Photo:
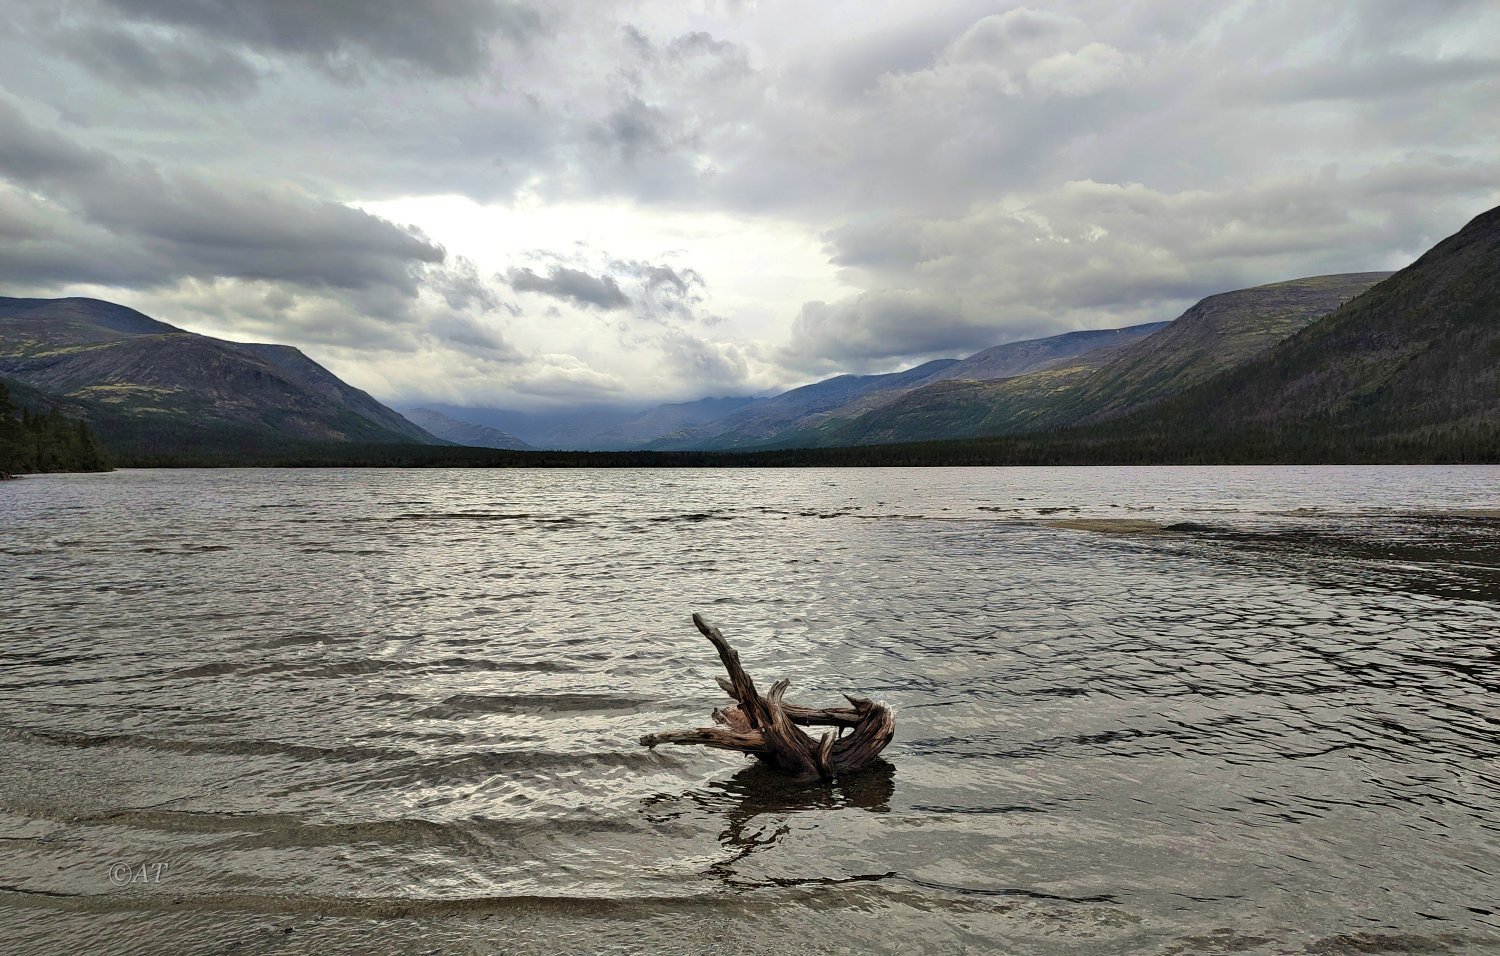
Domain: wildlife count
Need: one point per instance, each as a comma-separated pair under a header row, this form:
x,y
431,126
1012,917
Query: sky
x,y
518,204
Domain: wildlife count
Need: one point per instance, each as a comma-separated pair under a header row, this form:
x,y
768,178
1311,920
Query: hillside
x,y
956,401
957,409
764,420
1018,358
1417,356
1219,332
148,387
640,430
462,433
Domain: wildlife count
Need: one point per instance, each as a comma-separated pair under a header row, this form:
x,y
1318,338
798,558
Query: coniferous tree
x,y
46,441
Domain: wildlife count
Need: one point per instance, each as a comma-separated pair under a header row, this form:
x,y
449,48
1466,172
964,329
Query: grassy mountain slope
x,y
761,421
147,386
956,402
1018,358
1219,332
1417,355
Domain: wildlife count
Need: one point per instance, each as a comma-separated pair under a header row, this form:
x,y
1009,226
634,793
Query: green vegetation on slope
x,y
1416,356
41,441
151,389
1219,333
1216,334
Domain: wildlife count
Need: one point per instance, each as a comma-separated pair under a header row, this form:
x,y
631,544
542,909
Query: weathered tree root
x,y
769,729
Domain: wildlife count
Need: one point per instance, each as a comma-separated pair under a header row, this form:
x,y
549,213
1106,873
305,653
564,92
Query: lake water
x,y
397,711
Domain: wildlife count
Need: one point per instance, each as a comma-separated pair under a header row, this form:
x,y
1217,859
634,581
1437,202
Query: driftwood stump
x,y
770,729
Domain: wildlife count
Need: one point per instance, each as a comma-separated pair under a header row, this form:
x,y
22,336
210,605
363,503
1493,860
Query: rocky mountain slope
x,y
151,388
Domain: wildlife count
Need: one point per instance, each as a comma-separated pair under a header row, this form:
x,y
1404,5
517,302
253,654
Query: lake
x,y
1138,710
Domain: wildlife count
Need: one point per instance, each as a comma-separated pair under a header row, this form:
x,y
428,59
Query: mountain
x,y
641,430
1218,333
1018,358
1417,357
956,409
730,422
756,423
596,427
152,389
1058,352
462,433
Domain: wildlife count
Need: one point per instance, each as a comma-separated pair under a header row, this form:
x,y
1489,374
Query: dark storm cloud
x,y
631,130
660,291
571,285
34,155
880,325
449,38
146,61
133,224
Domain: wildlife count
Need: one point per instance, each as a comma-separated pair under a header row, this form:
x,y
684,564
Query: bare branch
x,y
770,729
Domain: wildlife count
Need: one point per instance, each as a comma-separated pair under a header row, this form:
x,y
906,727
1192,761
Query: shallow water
x,y
397,711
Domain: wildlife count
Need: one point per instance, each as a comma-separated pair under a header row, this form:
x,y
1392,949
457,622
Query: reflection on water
x,y
1138,710
755,803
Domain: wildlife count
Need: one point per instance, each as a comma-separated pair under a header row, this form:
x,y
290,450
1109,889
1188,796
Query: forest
x,y
42,441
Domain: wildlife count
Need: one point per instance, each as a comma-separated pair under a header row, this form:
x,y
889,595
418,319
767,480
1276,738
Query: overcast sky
x,y
508,203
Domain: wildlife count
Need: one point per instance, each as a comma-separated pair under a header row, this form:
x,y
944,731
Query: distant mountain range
x,y
597,427
462,433
1041,384
1360,365
1123,375
747,421
153,389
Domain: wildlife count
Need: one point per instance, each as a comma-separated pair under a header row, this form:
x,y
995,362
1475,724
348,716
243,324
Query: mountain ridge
x,y
461,432
151,386
1418,352
1216,333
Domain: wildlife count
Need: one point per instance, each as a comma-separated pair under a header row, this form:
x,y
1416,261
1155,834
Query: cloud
x,y
166,226
1096,255
449,39
979,171
565,376
878,326
571,285
1375,78
712,366
150,60
1089,69
632,130
660,291
35,156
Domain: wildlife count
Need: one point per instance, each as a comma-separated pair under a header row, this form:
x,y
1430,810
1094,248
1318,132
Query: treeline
x,y
40,441
1476,443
